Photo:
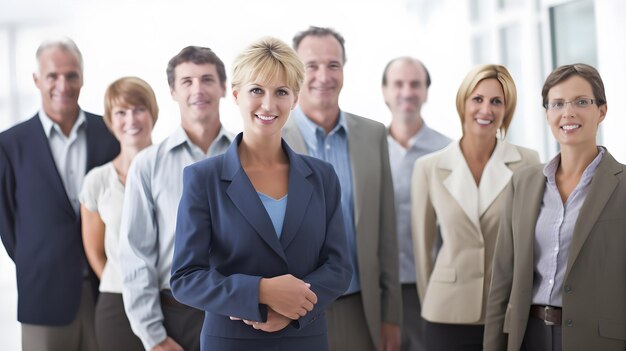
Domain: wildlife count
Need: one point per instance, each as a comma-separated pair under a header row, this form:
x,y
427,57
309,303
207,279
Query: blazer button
x,y
569,323
568,289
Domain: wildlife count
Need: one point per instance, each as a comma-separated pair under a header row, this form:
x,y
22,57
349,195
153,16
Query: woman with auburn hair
x,y
260,243
558,277
130,112
460,190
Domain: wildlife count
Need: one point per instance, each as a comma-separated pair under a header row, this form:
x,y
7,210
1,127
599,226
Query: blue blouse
x,y
276,210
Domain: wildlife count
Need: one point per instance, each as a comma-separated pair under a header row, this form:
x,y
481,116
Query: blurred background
x,y
138,37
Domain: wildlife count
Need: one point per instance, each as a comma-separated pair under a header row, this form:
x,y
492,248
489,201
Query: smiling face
x,y
132,125
484,109
264,106
323,65
574,125
197,89
406,89
59,80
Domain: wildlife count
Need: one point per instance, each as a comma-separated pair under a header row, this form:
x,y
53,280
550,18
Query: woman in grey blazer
x,y
559,277
460,190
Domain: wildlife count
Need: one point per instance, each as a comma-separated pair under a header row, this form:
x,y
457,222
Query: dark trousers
x,y
302,343
182,323
541,337
412,323
113,332
347,327
454,337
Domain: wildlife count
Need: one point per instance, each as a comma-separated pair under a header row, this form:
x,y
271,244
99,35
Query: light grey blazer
x,y
453,289
594,290
377,250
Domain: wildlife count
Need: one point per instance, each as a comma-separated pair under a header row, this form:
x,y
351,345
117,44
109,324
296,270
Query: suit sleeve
x,y
194,282
7,204
391,294
424,226
501,278
332,278
139,252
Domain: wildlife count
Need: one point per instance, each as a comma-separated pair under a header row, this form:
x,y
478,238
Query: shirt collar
x,y
549,171
310,129
49,125
421,134
179,137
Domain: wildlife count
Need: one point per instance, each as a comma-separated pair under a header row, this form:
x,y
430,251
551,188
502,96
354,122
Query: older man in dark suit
x,y
42,164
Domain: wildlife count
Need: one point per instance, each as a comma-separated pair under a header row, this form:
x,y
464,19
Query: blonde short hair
x,y
130,91
477,75
266,60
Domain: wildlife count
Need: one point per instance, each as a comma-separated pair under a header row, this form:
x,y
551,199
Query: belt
x,y
550,315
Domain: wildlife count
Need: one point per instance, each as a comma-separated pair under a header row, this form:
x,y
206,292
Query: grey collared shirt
x,y
554,230
69,154
402,161
148,227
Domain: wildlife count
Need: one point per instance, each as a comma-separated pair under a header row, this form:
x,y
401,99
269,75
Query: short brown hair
x,y
197,55
477,75
587,72
130,91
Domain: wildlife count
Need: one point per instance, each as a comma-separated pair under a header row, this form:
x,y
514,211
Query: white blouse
x,y
103,192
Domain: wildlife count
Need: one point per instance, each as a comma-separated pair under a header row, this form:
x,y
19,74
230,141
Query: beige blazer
x,y
453,288
594,290
377,250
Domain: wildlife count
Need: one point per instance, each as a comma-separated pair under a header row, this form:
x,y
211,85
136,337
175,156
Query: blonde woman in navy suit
x,y
460,189
260,239
559,270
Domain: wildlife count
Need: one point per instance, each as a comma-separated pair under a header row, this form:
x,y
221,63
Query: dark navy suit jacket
x,y
225,243
38,225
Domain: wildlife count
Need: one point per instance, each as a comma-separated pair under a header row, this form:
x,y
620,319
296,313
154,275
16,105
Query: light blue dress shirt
x,y
333,148
554,230
401,161
148,227
276,210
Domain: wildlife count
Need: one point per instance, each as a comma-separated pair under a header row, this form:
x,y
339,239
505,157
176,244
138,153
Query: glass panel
x,y
5,97
574,33
509,4
511,57
480,49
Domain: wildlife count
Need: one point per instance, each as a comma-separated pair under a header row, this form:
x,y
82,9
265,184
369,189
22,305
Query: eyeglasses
x,y
580,103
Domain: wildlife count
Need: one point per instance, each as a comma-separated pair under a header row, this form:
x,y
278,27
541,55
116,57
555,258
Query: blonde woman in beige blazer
x,y
460,190
569,214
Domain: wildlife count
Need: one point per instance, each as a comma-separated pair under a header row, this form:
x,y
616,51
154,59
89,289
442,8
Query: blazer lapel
x,y
244,197
49,167
460,182
358,161
496,174
600,190
530,205
300,191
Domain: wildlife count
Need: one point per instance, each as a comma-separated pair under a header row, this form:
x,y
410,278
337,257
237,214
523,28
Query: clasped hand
x,y
287,297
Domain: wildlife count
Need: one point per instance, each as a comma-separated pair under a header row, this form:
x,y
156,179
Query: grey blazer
x,y
377,251
594,290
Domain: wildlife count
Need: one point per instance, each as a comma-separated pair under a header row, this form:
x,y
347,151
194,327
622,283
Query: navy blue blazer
x,y
38,225
225,243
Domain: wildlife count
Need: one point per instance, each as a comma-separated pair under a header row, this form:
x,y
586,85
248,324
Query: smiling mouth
x,y
569,127
266,118
132,131
483,122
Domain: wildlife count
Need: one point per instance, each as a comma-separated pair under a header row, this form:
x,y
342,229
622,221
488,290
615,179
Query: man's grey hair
x,y
63,43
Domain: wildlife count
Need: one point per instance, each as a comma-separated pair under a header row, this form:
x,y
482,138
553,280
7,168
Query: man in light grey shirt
x,y
197,81
405,89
